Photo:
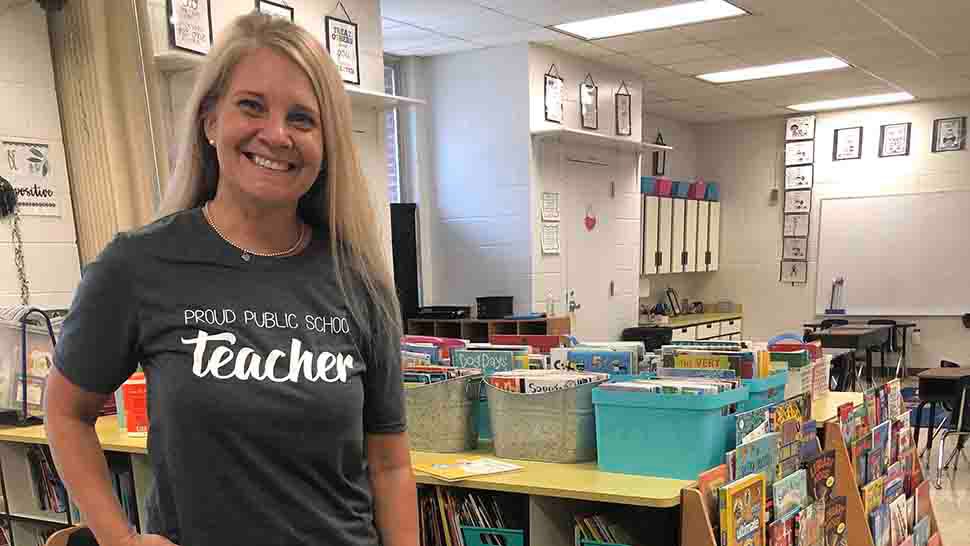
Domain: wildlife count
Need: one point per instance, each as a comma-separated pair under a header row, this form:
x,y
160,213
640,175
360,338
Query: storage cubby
x,y
21,492
421,327
506,328
532,328
447,329
551,520
477,332
481,330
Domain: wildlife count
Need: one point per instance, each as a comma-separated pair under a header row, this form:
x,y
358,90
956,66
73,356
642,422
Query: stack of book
x,y
743,362
880,442
542,381
49,491
618,359
599,528
672,385
415,376
443,511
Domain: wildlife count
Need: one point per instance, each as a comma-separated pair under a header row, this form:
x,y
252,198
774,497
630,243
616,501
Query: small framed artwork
x,y
894,140
798,201
552,95
848,144
800,128
795,272
796,225
795,248
799,178
190,25
949,134
276,9
623,102
799,153
343,46
589,104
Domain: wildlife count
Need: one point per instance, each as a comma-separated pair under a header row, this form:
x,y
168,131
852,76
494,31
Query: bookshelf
x,y
480,330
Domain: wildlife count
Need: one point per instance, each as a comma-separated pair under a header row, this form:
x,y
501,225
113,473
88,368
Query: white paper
x,y
796,225
795,249
949,135
553,99
798,178
895,139
275,10
623,115
588,106
800,128
795,272
847,143
29,171
798,201
799,153
550,238
191,26
550,207
342,41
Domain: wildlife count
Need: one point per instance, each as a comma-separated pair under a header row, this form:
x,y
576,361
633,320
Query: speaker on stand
x,y
407,257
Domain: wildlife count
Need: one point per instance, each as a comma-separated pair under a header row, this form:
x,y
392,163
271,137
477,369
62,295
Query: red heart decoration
x,y
590,223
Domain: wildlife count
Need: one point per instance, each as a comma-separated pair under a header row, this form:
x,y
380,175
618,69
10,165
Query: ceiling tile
x,y
705,66
537,34
442,47
894,51
426,13
478,21
725,29
579,47
644,41
548,12
674,55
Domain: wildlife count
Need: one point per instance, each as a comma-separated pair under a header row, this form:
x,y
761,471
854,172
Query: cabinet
x,y
650,235
703,233
665,240
690,237
679,235
714,237
677,247
684,334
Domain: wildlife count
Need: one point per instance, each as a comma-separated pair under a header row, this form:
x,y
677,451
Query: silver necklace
x,y
247,254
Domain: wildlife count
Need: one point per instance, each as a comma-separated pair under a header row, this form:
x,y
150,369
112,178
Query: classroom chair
x,y
947,386
72,536
830,322
890,344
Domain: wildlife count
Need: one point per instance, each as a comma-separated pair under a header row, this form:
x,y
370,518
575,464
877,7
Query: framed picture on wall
x,y
276,9
795,248
800,128
799,178
798,201
949,134
552,95
799,153
623,103
343,46
796,225
190,25
894,140
848,144
795,272
589,115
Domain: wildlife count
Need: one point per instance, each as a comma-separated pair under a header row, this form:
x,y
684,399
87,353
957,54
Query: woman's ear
x,y
209,128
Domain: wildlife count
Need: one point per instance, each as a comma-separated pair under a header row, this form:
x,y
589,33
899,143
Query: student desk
x,y
903,364
858,337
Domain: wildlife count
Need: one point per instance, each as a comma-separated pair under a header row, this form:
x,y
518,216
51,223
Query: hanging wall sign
x,y
550,206
847,144
590,220
550,238
795,248
623,106
800,128
343,46
29,170
190,25
794,272
798,178
800,153
552,95
659,157
589,104
796,225
276,9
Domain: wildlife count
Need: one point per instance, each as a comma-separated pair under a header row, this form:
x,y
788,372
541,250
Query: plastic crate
x,y
762,392
681,189
698,190
443,416
711,192
664,187
486,536
40,360
552,427
648,185
667,435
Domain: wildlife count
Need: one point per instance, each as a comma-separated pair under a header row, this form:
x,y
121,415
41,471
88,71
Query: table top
x,y
856,324
825,408
946,373
850,330
836,351
683,321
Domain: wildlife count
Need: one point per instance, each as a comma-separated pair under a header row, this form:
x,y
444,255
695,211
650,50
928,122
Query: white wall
x,y
747,158
31,115
479,191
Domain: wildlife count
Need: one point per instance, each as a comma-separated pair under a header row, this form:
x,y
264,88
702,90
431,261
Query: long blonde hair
x,y
339,201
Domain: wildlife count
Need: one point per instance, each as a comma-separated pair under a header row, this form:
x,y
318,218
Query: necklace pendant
x,y
246,256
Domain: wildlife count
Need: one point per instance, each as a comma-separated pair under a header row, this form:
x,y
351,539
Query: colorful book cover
x,y
880,436
874,460
743,512
808,524
845,422
787,418
751,425
821,475
879,525
898,527
810,446
883,405
616,362
679,373
760,455
835,534
708,483
860,419
781,532
730,460
922,496
872,495
894,398
871,401
433,352
860,451
892,490
914,478
487,361
904,441
907,459
921,532
790,494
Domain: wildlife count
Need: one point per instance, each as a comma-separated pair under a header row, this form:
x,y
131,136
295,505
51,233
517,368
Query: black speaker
x,y
405,250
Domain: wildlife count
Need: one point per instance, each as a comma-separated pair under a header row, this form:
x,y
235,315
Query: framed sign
x,y
799,178
552,95
894,139
276,9
589,115
949,134
848,144
343,46
798,201
800,128
550,238
28,168
550,206
190,25
796,225
623,106
799,153
795,248
794,272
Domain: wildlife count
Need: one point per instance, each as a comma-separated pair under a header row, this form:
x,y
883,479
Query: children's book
x,y
883,405
462,468
787,418
892,490
835,534
921,532
781,532
860,419
898,528
894,398
616,362
894,471
708,483
879,525
871,401
487,361
922,496
821,475
760,455
809,522
872,495
846,423
810,446
751,425
860,452
874,460
790,494
904,441
742,505
880,440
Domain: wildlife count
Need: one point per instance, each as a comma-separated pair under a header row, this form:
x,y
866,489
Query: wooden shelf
x,y
589,138
180,61
481,330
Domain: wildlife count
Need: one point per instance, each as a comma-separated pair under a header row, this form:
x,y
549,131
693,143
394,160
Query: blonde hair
x,y
339,201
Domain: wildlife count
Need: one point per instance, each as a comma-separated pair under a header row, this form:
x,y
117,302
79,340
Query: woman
x,y
262,311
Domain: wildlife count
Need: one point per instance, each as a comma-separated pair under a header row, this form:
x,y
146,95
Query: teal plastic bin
x,y
648,185
763,392
666,435
712,192
681,190
485,536
484,420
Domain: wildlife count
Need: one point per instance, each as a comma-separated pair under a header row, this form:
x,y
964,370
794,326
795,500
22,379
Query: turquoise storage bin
x,y
712,193
648,185
681,189
763,392
479,536
666,435
484,421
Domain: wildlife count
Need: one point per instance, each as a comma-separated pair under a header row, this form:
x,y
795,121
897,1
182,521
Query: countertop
x,y
684,321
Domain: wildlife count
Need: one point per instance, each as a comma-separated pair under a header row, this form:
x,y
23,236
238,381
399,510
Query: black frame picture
x,y
628,118
797,220
882,140
326,27
800,128
260,3
842,156
173,42
791,204
793,271
799,177
961,139
794,248
545,97
796,147
674,301
588,83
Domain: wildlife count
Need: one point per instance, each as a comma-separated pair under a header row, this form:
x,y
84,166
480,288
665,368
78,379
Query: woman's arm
x,y
394,491
70,416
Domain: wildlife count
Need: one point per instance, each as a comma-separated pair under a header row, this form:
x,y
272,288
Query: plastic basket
x,y
443,416
553,427
664,187
762,392
711,192
486,536
648,185
667,435
40,360
681,189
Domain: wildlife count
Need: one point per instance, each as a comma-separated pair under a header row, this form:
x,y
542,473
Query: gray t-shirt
x,y
261,386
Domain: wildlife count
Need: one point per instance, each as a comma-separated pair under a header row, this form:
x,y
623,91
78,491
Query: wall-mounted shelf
x,y
178,61
589,138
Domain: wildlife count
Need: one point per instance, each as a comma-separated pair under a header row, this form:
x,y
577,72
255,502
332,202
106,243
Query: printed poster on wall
x,y
190,25
553,98
550,238
29,167
344,48
550,206
799,153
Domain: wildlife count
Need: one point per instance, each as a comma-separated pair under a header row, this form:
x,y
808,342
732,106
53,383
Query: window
x,y
392,145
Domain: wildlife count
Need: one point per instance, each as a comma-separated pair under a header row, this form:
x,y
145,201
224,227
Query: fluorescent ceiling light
x,y
774,70
651,19
852,102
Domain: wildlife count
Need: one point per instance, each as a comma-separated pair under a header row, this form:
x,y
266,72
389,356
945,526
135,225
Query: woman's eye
x,y
303,120
250,105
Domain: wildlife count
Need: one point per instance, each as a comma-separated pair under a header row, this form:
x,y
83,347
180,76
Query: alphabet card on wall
x,y
800,128
796,225
29,170
795,248
799,153
799,178
798,201
794,272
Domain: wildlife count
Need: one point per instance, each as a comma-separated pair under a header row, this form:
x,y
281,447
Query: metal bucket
x,y
443,416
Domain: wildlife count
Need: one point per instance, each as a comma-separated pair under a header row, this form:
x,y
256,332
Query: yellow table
x,y
826,408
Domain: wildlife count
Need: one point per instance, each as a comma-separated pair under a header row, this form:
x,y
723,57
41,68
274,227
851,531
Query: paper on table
x,y
465,468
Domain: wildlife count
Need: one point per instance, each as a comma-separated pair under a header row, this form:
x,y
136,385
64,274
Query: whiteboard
x,y
900,254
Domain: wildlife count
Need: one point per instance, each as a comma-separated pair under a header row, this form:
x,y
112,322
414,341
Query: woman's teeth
x,y
268,163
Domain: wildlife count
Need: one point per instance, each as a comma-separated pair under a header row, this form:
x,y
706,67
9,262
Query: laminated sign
x,y
343,47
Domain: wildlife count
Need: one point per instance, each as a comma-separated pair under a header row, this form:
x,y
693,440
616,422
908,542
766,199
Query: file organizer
x,y
443,416
485,536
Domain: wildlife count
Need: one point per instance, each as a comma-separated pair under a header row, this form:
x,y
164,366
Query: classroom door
x,y
588,227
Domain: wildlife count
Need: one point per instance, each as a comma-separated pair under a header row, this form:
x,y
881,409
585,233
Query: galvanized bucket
x,y
443,416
